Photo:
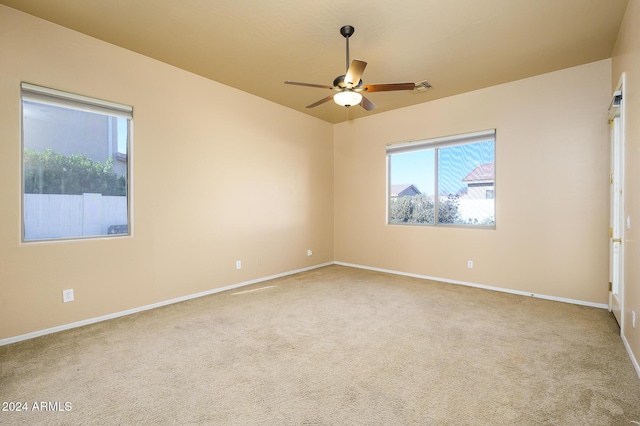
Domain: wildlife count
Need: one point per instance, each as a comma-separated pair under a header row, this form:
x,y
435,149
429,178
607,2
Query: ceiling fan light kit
x,y
347,98
349,86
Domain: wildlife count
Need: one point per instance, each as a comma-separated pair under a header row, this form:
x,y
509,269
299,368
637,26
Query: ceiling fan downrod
x,y
347,31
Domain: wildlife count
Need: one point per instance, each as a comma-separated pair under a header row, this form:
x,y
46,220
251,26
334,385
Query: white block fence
x,y
49,216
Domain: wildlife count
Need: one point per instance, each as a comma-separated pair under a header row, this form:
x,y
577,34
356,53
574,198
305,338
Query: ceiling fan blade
x,y
320,102
354,73
388,87
367,104
319,86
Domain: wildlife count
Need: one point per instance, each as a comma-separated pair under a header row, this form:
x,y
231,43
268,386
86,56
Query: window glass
x,y
75,166
459,169
465,175
412,186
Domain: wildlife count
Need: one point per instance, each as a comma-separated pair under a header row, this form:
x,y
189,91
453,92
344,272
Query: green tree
x,y
49,172
401,209
448,210
421,209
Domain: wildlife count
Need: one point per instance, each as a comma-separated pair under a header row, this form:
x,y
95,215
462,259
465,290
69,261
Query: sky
x,y
122,125
455,162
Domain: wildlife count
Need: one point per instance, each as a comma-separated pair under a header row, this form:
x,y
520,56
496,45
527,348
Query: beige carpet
x,y
332,346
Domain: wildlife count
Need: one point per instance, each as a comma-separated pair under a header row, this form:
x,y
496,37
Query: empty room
x,y
320,213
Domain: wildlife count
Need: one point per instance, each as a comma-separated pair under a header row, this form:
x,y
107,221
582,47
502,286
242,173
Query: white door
x,y
616,230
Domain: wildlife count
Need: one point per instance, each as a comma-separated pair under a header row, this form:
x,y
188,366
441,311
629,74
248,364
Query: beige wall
x,y
219,175
626,58
552,162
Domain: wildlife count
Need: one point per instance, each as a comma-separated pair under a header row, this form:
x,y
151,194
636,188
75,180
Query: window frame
x,y
435,144
57,98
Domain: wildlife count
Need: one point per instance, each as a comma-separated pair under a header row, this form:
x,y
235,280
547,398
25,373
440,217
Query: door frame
x,y
616,203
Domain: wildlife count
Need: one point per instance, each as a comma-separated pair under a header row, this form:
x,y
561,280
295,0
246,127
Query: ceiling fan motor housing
x,y
339,83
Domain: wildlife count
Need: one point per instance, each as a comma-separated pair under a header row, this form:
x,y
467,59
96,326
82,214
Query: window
x,y
459,169
75,165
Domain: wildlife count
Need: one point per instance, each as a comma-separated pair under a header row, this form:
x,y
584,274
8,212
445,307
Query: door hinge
x,y
610,178
610,232
610,286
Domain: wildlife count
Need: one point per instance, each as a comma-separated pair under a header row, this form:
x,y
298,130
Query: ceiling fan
x,y
349,86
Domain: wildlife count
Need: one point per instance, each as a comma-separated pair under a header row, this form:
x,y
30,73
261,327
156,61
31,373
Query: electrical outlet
x,y
633,319
238,264
67,295
309,252
470,264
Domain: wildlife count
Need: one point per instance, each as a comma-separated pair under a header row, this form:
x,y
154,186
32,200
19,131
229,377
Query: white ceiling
x,y
457,45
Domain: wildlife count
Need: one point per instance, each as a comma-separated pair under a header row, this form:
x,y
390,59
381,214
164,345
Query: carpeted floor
x,y
332,346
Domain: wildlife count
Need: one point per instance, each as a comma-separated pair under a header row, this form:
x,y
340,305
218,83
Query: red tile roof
x,y
482,172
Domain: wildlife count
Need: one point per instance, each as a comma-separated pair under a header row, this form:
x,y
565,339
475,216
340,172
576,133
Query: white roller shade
x,y
31,92
403,147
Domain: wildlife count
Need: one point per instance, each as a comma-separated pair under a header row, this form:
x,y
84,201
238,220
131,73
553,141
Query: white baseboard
x,y
634,360
34,334
486,287
39,333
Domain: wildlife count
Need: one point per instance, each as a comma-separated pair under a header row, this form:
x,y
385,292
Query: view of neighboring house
x,y
478,204
480,182
404,190
69,132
